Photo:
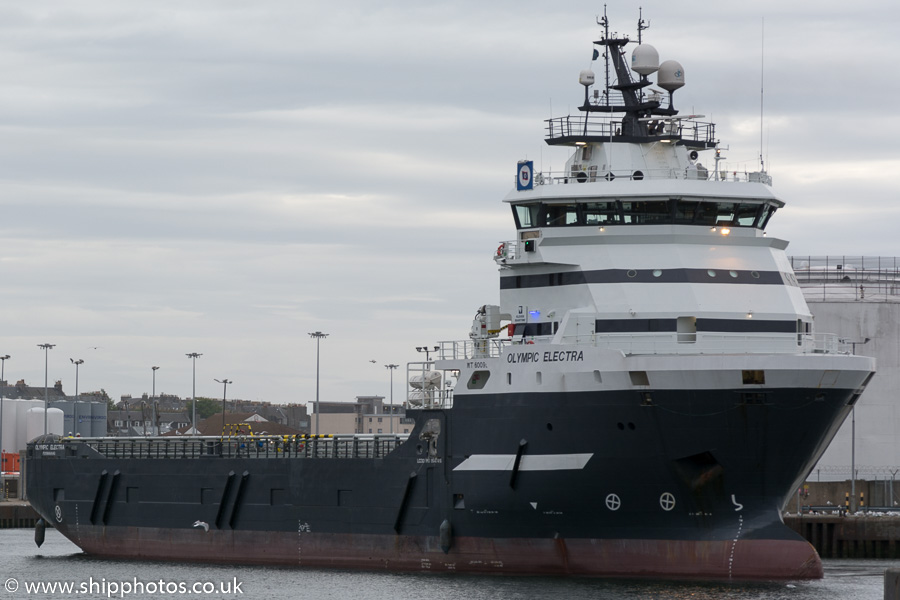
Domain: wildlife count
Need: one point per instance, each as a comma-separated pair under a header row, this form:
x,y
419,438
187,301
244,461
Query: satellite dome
x,y
586,78
644,59
671,75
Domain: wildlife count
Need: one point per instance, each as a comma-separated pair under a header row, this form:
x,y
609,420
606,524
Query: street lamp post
x,y
391,367
46,348
194,356
225,383
318,335
153,427
77,364
853,504
2,368
3,380
427,351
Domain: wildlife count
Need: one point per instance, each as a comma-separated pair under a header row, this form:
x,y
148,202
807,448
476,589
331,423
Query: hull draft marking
x,y
529,462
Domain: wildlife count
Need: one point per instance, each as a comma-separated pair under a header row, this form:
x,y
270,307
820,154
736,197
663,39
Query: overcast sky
x,y
225,177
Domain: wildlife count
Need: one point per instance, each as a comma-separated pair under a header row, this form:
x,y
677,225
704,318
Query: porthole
x,y
549,426
711,273
754,274
631,273
657,272
733,273
621,426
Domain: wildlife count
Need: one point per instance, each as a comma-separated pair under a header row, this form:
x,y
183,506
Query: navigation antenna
x,y
641,26
762,70
605,23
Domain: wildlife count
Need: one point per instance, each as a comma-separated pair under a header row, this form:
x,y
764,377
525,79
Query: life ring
x,y
501,250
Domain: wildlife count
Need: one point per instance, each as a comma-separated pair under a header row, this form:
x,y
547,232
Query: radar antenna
x,y
642,25
762,71
605,23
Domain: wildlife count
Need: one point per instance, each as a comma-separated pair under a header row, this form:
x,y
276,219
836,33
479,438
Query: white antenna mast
x,y
762,70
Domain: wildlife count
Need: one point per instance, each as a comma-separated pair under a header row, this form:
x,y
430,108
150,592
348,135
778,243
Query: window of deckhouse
x,y
526,215
558,215
686,211
600,213
647,212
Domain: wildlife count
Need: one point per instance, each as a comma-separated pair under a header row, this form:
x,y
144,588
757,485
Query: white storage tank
x,y
9,426
34,424
20,436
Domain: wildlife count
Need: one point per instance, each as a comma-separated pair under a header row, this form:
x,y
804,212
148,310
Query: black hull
x,y
690,485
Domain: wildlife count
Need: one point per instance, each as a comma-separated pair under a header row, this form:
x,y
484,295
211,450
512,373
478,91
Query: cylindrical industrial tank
x,y
34,422
21,433
98,419
83,418
66,407
8,433
55,421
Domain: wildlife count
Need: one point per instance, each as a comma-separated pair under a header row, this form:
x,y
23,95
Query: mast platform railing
x,y
579,126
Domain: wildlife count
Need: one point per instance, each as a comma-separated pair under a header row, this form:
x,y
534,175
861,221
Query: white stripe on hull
x,y
529,462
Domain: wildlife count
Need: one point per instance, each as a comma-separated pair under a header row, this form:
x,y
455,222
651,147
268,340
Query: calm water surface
x,y
23,565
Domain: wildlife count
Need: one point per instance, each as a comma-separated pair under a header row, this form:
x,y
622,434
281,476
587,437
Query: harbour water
x,y
27,571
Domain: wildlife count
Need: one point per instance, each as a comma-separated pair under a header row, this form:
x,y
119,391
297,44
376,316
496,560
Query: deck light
x,y
726,231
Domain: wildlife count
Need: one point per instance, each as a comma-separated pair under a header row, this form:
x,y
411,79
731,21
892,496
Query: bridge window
x,y
656,211
643,212
558,215
601,213
526,215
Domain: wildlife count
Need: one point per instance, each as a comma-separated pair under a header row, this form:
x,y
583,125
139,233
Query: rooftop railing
x,y
590,174
848,278
656,343
578,126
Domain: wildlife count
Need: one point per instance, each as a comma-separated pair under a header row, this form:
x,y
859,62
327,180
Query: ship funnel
x,y
645,60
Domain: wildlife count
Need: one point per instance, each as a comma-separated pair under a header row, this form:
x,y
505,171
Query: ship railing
x,y
581,126
848,278
591,174
429,387
262,446
471,349
708,343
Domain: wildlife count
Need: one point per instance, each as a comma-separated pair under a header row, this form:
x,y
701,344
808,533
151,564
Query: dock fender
x,y
446,536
